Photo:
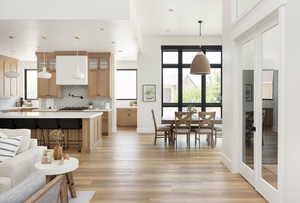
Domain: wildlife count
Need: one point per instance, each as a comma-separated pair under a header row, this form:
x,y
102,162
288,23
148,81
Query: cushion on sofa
x,y
26,137
9,147
2,135
24,190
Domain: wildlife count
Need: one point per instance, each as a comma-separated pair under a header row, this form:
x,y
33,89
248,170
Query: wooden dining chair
x,y
162,131
206,127
183,126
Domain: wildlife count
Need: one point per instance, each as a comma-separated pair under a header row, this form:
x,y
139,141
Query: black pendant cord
x,y
200,31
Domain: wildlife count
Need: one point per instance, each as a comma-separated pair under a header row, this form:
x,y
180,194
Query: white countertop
x,y
16,108
57,110
58,115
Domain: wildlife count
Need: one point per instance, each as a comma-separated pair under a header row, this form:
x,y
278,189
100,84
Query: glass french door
x,y
260,112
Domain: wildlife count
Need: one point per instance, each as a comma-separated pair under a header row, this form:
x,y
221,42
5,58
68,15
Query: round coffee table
x,y
56,168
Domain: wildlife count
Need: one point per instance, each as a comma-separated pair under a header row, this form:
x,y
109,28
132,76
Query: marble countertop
x,y
16,108
57,110
58,115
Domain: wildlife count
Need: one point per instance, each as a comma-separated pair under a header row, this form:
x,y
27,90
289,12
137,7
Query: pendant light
x,y
43,73
11,74
200,64
78,74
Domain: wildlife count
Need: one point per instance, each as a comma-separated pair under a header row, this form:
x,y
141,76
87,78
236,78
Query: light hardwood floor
x,y
128,168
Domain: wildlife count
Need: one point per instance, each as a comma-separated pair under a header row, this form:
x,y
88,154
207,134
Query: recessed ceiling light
x,y
171,10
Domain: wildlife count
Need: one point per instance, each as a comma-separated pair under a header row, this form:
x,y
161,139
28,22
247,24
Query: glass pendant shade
x,y
12,74
44,74
200,65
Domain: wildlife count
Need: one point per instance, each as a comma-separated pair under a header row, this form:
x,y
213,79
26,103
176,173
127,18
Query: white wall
x,y
149,72
291,106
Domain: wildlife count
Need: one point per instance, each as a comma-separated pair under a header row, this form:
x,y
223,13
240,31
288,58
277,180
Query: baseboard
x,y
226,161
145,130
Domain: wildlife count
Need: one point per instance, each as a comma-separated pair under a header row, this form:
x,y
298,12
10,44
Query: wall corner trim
x,y
227,162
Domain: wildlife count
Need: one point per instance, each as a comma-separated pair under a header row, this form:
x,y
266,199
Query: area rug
x,y
82,197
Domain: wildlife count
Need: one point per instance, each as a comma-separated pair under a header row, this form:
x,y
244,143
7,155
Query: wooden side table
x,y
66,169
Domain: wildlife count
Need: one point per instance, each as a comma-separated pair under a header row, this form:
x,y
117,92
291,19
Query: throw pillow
x,y
9,147
26,137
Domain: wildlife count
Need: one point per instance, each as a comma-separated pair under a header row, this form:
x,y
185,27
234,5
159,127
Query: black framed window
x,y
31,89
126,84
181,90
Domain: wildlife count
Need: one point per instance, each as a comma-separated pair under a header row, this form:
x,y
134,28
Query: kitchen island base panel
x,y
84,138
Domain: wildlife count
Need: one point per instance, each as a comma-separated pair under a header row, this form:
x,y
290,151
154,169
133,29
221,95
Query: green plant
x,y
56,135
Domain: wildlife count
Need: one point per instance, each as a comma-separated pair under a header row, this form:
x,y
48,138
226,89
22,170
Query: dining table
x,y
170,120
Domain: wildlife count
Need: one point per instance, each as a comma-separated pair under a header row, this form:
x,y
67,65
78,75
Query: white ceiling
x,y
60,36
152,18
155,19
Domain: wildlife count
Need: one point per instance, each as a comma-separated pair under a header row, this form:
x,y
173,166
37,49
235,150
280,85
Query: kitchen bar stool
x,y
71,128
45,125
7,123
25,124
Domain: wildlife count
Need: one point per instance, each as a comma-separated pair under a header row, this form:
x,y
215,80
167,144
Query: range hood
x,y
72,70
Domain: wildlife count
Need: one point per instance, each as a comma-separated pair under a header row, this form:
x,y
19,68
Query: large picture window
x,y
30,81
181,90
126,80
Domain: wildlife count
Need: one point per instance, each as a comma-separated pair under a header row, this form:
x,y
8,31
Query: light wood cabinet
x,y
100,75
107,123
127,117
47,88
9,87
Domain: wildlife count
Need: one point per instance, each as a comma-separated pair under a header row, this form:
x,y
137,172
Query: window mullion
x,y
180,93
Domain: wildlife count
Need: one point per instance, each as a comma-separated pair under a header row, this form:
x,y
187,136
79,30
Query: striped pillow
x,y
9,147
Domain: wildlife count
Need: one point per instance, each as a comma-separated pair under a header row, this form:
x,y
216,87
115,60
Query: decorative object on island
x,y
200,64
47,156
43,72
149,93
57,135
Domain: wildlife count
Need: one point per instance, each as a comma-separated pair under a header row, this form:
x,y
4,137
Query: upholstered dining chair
x,y
183,126
206,127
162,131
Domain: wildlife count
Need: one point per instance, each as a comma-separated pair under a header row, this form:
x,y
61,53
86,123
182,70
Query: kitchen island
x,y
86,126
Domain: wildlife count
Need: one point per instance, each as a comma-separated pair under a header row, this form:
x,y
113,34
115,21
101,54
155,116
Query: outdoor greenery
x,y
213,90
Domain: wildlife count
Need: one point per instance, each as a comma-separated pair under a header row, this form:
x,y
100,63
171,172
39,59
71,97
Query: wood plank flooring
x,y
128,168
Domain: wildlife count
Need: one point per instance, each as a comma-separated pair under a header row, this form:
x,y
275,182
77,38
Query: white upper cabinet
x,y
71,70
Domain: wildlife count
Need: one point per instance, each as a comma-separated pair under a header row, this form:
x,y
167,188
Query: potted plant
x,y
57,135
90,105
191,109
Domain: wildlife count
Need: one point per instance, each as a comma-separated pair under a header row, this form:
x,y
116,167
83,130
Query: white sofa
x,y
15,170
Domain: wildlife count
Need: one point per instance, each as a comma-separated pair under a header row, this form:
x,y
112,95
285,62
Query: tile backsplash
x,y
73,101
8,102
